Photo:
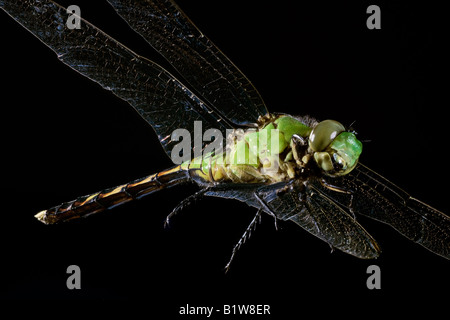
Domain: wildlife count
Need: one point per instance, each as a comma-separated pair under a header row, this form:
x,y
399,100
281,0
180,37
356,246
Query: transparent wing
x,y
376,197
312,210
162,24
164,102
309,208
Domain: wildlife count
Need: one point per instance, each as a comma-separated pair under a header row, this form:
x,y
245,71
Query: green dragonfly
x,y
294,168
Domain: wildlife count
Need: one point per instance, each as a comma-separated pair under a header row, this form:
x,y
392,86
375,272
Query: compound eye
x,y
324,133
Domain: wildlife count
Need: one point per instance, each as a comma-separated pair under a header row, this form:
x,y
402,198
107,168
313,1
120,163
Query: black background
x,y
63,136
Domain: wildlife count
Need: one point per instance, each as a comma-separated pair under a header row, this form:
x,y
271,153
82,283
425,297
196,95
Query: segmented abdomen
x,y
112,197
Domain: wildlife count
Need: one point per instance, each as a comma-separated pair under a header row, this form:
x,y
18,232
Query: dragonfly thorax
x,y
283,147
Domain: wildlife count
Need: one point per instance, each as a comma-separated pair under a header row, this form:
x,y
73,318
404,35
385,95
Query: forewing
x,y
376,197
162,24
160,99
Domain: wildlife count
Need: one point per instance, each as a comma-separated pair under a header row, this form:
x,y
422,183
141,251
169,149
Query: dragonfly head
x,y
335,150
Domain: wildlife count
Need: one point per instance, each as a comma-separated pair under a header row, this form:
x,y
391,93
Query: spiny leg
x,y
245,236
186,202
266,209
341,190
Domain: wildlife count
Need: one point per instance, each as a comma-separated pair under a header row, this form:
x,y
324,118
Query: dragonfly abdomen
x,y
112,197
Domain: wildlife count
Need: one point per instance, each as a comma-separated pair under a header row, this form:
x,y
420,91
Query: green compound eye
x,y
324,133
341,156
346,149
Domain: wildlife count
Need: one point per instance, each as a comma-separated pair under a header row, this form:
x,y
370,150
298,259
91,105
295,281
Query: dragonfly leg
x,y
186,202
350,207
266,208
300,140
335,188
245,236
341,190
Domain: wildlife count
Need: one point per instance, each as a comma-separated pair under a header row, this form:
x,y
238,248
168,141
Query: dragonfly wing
x,y
319,215
378,198
236,191
164,102
165,27
310,209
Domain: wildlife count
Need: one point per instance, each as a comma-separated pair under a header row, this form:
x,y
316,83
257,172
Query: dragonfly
x,y
293,168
